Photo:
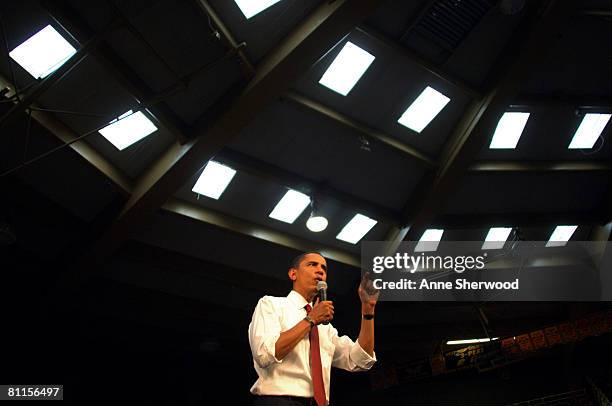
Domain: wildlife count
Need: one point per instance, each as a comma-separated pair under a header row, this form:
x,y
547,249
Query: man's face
x,y
311,270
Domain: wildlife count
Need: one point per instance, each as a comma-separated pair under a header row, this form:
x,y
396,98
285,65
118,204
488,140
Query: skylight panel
x,y
509,130
252,7
423,110
43,52
214,180
496,238
429,240
356,229
471,341
561,236
589,130
348,67
290,206
129,128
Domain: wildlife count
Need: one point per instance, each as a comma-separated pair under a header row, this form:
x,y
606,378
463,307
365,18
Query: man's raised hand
x,y
368,294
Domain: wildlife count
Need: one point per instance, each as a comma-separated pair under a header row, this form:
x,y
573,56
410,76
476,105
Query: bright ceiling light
x,y
429,240
561,236
214,180
509,130
496,238
127,129
43,52
316,224
423,110
589,130
252,7
290,206
344,72
471,341
355,229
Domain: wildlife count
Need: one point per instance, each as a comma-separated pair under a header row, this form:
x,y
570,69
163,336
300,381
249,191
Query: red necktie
x,y
315,364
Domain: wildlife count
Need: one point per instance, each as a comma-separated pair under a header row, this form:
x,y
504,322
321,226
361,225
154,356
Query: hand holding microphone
x,y
323,310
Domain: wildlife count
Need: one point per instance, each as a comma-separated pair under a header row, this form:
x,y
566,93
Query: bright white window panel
x,y
128,129
253,7
471,341
561,236
214,180
289,208
589,130
429,240
43,53
356,229
346,70
424,109
509,130
496,238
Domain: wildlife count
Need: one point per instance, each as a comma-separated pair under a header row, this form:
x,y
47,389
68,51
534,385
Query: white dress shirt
x,y
291,375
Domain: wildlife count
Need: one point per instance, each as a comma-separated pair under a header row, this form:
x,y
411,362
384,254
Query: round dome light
x,y
316,224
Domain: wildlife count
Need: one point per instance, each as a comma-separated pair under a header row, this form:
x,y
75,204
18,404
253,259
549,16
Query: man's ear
x,y
292,274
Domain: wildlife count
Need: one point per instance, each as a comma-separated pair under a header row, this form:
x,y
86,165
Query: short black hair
x,y
295,262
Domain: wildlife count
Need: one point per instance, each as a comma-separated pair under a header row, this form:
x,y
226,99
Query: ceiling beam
x,y
542,166
486,220
68,136
209,216
256,231
536,32
577,101
135,86
248,70
285,64
414,58
363,129
311,187
606,13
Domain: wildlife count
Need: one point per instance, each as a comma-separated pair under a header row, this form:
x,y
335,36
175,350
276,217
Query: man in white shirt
x,y
284,330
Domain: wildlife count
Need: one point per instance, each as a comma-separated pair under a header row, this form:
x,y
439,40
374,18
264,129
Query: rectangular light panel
x,y
252,7
429,240
589,130
43,52
348,67
509,130
290,206
356,229
471,341
561,236
214,180
496,238
129,128
423,110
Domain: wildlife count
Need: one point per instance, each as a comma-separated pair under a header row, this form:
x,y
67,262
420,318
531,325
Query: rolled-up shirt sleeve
x,y
349,355
264,331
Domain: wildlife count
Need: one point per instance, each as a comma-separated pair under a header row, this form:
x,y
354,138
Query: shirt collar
x,y
297,299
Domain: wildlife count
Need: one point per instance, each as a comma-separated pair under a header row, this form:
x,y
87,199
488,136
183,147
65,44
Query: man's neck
x,y
308,296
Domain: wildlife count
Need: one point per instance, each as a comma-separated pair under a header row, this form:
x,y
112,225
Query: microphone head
x,y
321,285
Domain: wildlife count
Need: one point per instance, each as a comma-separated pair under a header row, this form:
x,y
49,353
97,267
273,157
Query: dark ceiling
x,y
218,85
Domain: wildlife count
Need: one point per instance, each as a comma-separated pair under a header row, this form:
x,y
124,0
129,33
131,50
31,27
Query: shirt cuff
x,y
271,348
361,358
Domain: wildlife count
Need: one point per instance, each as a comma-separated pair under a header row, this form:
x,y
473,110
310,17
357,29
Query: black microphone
x,y
322,288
